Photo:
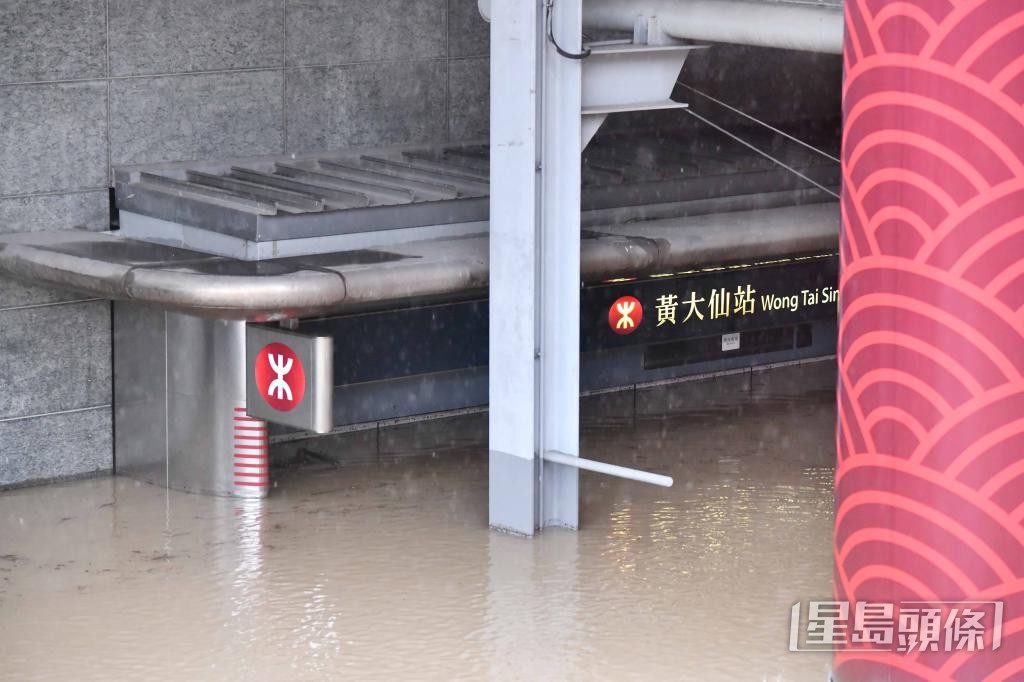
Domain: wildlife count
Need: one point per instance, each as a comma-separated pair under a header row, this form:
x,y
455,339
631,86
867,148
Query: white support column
x,y
534,264
515,207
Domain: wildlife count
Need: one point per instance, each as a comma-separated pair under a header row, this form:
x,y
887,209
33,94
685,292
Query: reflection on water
x,y
387,570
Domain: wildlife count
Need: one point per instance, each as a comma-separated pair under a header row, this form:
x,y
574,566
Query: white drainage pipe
x,y
608,469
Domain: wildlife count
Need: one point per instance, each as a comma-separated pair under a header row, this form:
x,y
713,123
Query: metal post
x,y
213,446
179,404
534,246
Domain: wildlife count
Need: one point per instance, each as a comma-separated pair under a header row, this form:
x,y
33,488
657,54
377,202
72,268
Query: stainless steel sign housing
x,y
289,378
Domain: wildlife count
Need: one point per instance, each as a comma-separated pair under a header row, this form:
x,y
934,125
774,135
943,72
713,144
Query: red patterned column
x,y
930,480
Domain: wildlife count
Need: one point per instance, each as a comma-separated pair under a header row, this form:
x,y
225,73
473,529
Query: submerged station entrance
x,y
239,302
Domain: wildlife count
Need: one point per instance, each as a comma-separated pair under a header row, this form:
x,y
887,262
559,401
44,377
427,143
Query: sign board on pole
x,y
289,378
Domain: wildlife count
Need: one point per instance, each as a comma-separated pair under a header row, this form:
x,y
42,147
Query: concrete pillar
x,y
930,479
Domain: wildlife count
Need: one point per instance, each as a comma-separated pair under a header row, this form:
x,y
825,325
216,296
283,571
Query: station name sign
x,y
706,303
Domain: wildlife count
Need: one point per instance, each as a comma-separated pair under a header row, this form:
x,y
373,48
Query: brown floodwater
x,y
386,569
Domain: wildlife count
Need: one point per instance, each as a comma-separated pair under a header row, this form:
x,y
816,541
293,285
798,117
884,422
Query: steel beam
x,y
559,258
793,25
535,281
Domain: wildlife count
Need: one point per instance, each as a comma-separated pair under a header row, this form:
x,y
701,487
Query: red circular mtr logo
x,y
280,377
625,315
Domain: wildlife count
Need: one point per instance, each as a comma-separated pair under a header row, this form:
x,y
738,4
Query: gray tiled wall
x,y
196,116
348,31
151,37
89,83
325,111
469,95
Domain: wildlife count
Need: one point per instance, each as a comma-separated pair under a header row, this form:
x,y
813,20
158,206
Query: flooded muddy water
x,y
386,569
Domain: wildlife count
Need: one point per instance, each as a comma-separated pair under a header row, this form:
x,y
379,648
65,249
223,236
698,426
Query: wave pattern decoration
x,y
930,441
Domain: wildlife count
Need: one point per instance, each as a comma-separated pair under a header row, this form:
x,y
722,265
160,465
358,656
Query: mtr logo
x,y
625,315
280,377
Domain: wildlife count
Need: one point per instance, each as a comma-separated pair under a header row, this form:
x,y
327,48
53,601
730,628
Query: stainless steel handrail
x,y
107,265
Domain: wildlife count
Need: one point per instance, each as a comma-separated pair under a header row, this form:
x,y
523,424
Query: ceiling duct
x,y
809,26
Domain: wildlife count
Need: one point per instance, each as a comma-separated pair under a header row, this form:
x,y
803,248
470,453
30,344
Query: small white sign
x,y
730,341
